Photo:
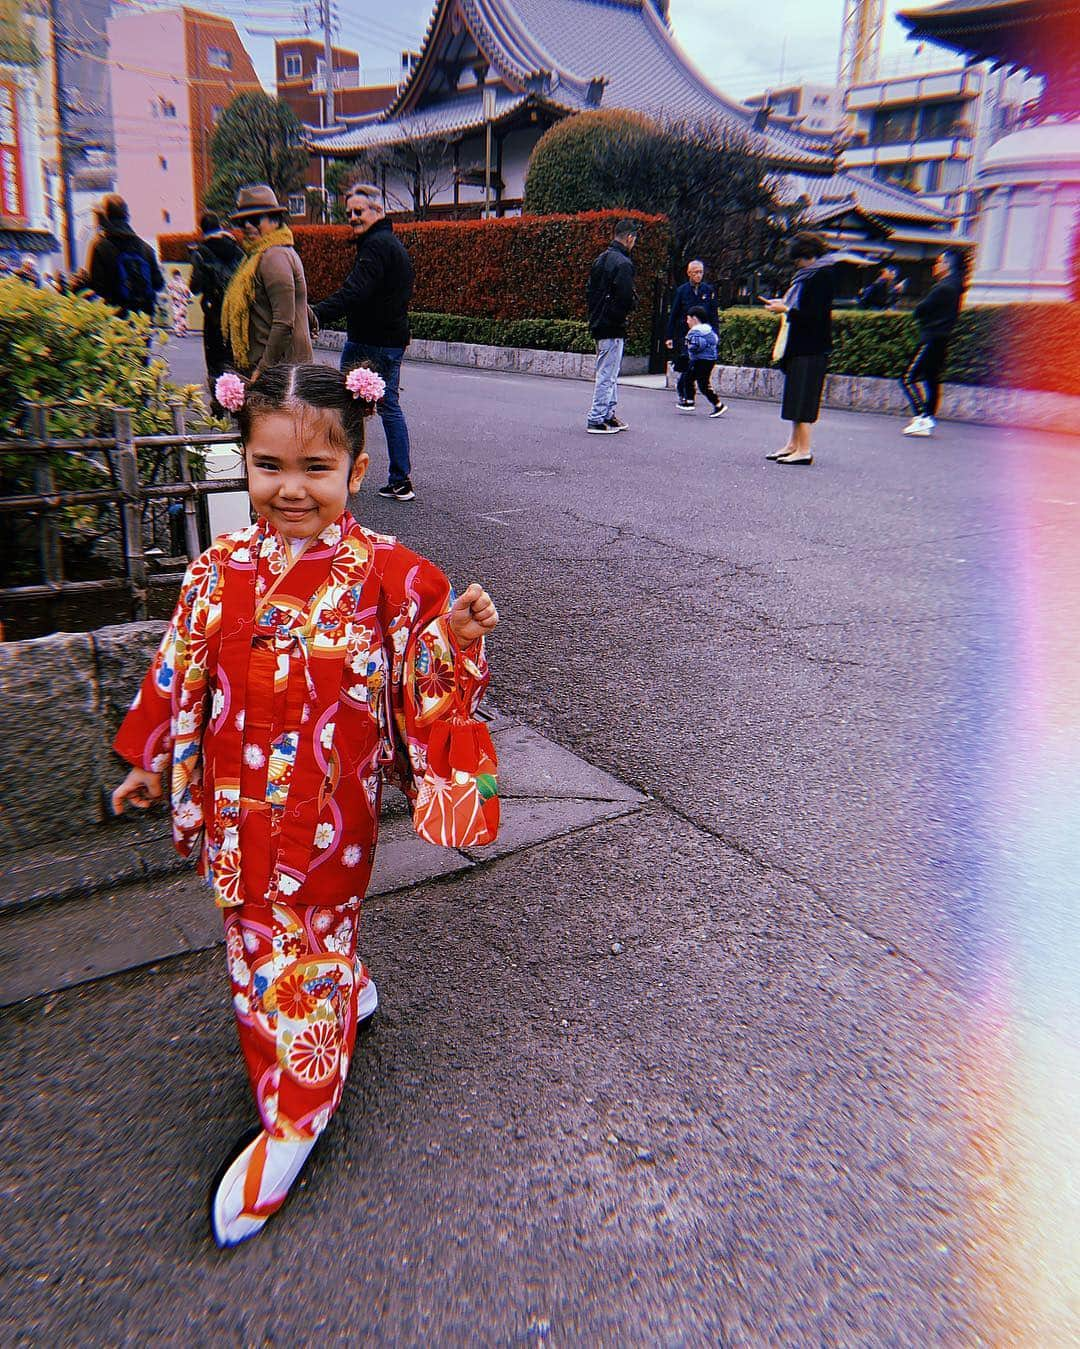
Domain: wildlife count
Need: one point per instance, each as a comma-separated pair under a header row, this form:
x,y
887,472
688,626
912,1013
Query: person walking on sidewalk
x,y
179,299
121,268
374,301
610,298
695,292
305,656
214,259
702,349
936,314
264,315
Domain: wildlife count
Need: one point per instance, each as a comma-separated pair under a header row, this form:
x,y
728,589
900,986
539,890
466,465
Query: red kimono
x,y
283,691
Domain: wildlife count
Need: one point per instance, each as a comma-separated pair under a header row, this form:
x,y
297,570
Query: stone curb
x,y
509,360
980,405
127,900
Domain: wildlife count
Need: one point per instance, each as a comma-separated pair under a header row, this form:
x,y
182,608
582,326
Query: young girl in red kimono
x,y
306,659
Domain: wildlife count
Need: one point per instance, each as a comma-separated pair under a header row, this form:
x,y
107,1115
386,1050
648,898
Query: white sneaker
x,y
367,1003
919,426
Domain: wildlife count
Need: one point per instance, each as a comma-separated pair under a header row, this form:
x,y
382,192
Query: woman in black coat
x,y
806,343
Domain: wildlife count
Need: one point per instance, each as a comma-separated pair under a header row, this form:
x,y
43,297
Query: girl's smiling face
x,y
300,483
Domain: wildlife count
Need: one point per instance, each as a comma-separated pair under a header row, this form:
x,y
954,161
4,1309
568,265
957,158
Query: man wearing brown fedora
x,y
264,316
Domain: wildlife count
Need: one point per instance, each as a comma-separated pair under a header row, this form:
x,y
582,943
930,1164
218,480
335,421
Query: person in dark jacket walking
x,y
694,293
374,300
884,291
121,268
804,342
610,298
214,259
936,314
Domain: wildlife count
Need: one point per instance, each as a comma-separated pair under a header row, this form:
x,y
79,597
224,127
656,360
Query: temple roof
x,y
829,197
567,56
1034,34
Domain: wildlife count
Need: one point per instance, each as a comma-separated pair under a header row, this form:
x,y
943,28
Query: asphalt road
x,y
825,1091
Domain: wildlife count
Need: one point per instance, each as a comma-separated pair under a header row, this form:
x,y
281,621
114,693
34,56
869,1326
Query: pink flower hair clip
x,y
229,390
365,384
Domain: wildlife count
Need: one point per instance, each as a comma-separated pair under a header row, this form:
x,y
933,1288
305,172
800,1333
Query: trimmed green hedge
x,y
1030,346
539,334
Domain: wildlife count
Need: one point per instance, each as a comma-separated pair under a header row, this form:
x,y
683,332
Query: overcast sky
x,y
741,48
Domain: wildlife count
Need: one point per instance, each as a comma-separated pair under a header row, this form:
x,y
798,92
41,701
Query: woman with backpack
x,y
214,259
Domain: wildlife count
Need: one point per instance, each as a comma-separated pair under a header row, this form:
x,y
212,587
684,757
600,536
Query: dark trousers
x,y
699,374
921,381
215,354
387,361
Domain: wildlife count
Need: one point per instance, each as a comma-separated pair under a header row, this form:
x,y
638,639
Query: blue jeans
x,y
387,361
609,352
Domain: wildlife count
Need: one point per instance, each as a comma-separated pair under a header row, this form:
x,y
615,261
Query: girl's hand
x,y
141,788
473,615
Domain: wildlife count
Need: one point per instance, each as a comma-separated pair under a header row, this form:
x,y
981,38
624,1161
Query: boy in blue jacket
x,y
702,348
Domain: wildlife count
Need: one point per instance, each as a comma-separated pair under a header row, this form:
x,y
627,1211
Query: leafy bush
x,y
714,185
526,267
82,360
1028,346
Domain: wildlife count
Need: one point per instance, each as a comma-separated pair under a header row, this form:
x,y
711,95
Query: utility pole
x,y
328,57
489,117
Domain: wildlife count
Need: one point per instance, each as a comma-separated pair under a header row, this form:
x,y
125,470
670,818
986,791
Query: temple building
x,y
528,64
1028,183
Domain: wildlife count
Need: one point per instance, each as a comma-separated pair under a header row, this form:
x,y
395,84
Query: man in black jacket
x,y
214,259
122,269
374,301
610,297
936,314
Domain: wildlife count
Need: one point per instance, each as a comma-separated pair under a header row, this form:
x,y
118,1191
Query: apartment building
x,y
928,133
300,72
174,72
811,107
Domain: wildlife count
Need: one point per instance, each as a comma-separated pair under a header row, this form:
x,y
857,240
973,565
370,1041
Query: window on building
x,y
297,203
166,217
932,177
294,65
163,108
216,113
940,120
163,163
11,187
894,126
218,57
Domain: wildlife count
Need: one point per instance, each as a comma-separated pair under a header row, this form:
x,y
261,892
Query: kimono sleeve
x,y
164,725
431,679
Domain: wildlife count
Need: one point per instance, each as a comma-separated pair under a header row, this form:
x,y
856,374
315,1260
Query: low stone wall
x,y
959,402
63,698
517,360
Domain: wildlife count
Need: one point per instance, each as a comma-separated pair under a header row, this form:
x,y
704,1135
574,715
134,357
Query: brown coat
x,y
278,323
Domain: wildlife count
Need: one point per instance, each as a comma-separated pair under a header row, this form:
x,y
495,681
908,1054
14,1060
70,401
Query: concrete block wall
x,y
63,698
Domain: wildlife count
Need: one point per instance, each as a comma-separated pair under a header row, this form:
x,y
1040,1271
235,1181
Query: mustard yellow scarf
x,y
240,295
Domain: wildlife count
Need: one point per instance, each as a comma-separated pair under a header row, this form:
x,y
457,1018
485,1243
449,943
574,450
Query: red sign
x,y
11,186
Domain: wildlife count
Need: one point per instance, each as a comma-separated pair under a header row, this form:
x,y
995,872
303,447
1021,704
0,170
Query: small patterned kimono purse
x,y
457,804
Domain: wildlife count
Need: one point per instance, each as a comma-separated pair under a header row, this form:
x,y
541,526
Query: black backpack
x,y
135,282
217,274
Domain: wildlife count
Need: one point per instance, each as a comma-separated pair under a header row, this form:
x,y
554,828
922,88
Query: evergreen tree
x,y
257,140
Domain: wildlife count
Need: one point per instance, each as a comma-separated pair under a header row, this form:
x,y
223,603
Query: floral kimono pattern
x,y
284,690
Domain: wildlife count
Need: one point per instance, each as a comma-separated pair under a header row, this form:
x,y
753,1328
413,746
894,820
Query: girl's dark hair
x,y
806,244
317,395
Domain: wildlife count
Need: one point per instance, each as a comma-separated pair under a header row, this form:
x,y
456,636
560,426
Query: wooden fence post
x,y
127,467
52,560
191,519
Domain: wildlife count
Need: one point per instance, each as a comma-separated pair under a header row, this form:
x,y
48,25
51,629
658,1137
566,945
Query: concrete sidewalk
x,y
115,900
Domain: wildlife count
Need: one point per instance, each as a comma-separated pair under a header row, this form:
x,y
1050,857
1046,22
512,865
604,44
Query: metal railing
x,y
126,492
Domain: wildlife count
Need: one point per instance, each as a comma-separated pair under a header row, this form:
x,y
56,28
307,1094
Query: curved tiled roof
x,y
557,50
853,189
